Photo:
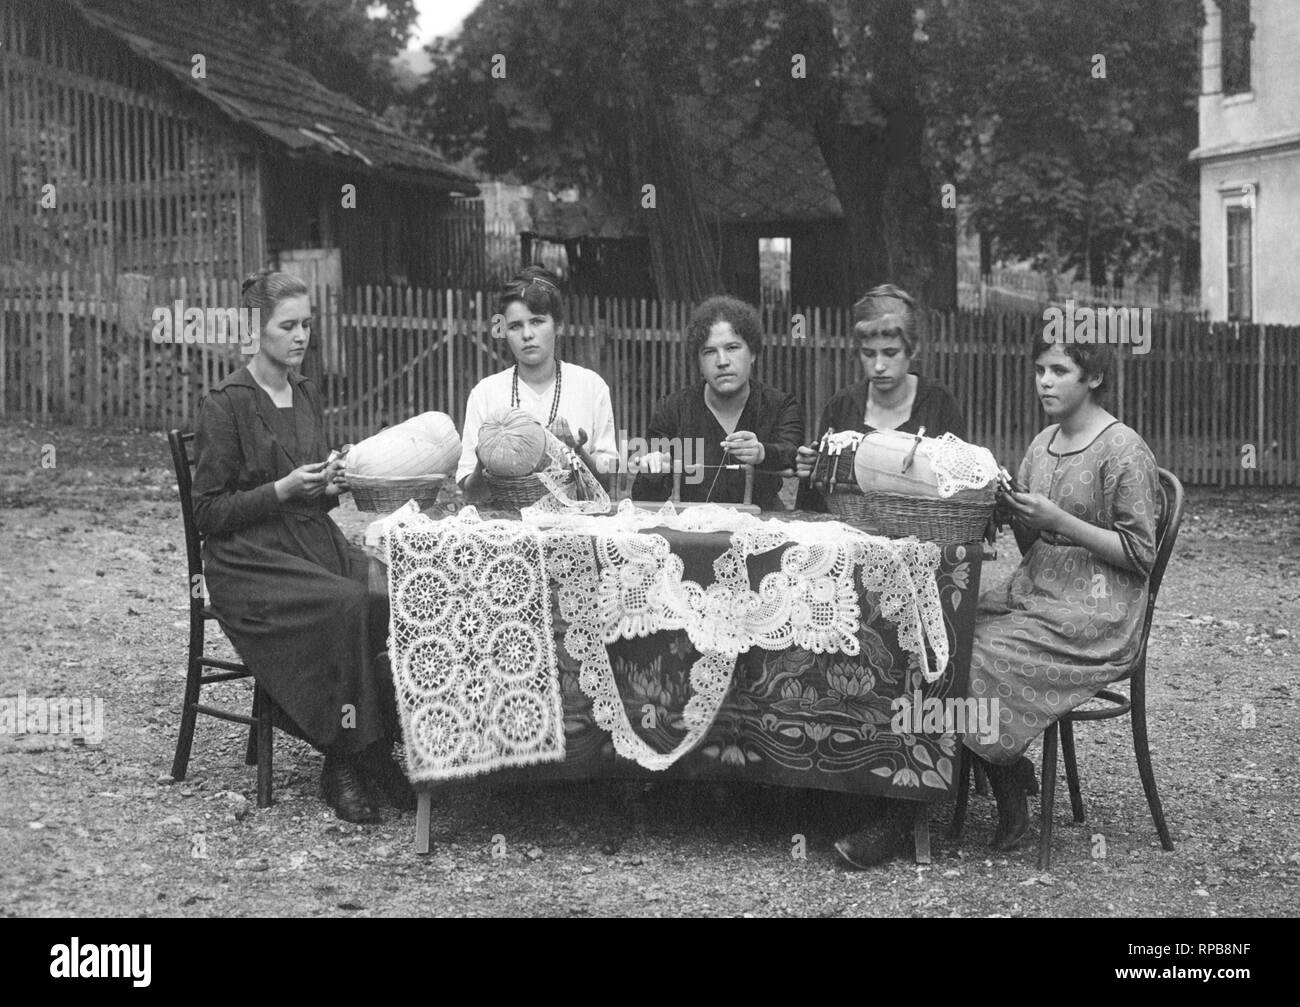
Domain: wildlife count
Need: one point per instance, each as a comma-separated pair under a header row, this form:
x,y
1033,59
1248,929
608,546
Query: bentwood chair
x,y
1115,704
261,719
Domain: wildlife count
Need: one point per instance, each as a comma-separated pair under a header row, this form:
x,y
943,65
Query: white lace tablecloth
x,y
473,649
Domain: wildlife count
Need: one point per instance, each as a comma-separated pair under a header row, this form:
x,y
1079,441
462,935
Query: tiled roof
x,y
770,171
258,88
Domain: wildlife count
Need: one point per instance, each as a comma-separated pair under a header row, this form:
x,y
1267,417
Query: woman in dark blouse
x,y
288,589
890,397
727,418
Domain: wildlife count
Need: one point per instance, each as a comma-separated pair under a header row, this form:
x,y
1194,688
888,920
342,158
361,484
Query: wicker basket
x,y
518,492
959,518
387,493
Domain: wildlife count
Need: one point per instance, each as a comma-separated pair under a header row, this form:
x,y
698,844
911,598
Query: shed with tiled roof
x,y
170,142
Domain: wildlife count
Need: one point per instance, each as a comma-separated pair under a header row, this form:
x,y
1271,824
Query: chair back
x,y
182,446
1170,520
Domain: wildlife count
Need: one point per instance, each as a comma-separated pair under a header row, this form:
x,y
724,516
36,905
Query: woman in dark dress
x,y
890,397
727,418
288,589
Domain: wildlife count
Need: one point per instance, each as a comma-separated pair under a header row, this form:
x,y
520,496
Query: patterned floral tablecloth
x,y
813,713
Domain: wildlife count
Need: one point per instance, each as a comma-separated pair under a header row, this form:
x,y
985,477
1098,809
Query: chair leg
x,y
1071,768
958,824
981,780
265,739
250,754
1138,717
1047,799
189,716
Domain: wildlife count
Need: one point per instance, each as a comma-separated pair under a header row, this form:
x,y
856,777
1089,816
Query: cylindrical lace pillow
x,y
423,445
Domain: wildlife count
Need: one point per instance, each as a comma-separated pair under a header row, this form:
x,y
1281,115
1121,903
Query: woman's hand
x,y
561,429
1036,511
745,447
304,483
337,483
803,461
655,462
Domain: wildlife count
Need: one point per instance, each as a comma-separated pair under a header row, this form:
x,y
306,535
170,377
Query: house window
x,y
1235,36
1239,264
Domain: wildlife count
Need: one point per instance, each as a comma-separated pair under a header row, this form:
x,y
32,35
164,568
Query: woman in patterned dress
x,y
1069,621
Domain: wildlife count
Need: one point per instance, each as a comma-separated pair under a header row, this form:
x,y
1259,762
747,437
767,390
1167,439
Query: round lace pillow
x,y
512,444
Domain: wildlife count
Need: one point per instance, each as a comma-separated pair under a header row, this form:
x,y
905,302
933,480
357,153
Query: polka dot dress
x,y
1067,623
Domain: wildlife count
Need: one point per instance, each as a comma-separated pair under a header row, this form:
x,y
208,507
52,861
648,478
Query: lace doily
x,y
571,485
958,465
474,662
474,657
614,581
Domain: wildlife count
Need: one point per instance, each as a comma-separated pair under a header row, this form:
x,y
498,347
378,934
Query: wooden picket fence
x,y
82,350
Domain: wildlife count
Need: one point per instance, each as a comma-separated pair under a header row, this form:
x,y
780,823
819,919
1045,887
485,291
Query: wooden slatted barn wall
x,y
151,195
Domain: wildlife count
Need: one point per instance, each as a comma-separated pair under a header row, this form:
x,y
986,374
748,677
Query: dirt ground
x,y
93,580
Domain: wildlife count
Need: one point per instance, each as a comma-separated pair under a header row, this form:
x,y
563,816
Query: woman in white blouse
x,y
571,401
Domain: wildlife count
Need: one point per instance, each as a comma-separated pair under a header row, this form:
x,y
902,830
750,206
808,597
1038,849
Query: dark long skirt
x,y
292,595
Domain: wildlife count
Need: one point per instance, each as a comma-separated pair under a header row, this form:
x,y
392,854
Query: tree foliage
x,y
347,45
1068,160
582,76
999,97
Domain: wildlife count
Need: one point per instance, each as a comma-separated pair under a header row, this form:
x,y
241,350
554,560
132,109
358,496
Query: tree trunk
x,y
891,205
683,253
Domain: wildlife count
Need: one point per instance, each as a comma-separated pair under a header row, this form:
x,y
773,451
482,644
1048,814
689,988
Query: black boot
x,y
385,778
343,790
882,840
1011,785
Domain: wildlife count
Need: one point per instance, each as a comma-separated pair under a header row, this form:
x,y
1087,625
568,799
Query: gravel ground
x,y
92,580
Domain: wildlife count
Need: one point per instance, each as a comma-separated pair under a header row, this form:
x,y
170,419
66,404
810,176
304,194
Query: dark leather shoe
x,y
1011,784
344,792
879,842
386,779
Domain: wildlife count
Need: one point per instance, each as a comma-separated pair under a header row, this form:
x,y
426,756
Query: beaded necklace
x,y
555,399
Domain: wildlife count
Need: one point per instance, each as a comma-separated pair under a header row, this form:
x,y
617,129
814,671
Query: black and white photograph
x,y
651,458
